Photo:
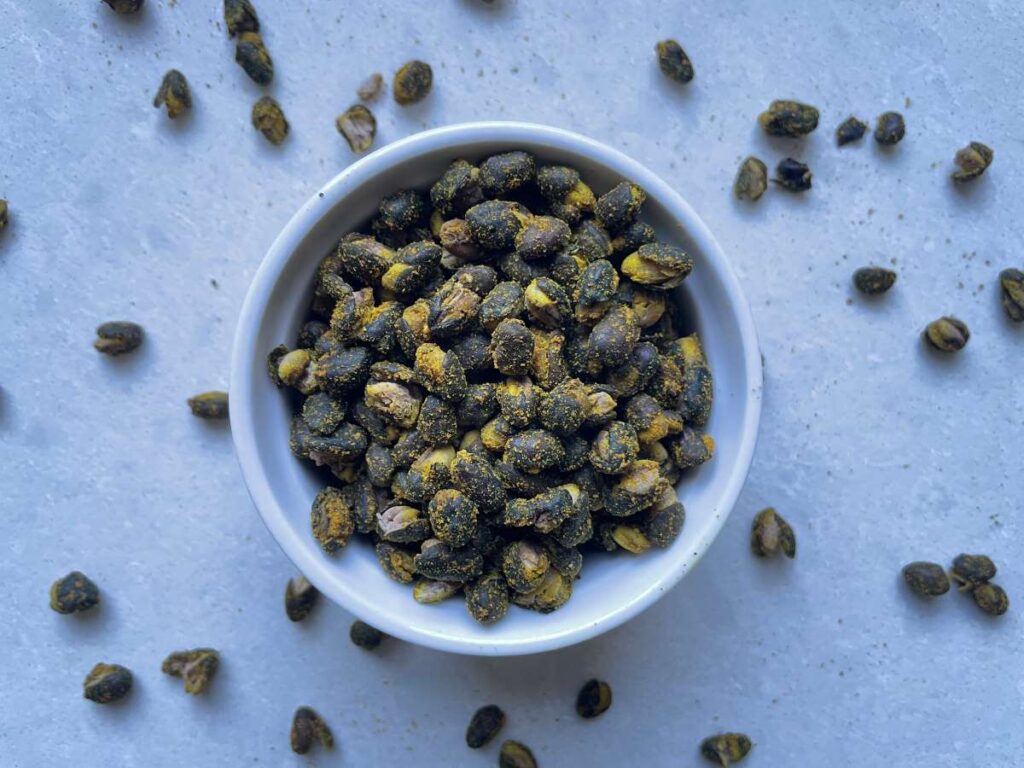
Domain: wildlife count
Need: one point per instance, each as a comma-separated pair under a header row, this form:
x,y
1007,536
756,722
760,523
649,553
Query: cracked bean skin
x,y
969,571
972,161
947,334
118,337
771,535
726,748
658,266
174,94
594,699
300,597
396,562
442,562
308,728
553,591
792,175
358,126
513,754
524,565
107,683
429,592
196,667
665,519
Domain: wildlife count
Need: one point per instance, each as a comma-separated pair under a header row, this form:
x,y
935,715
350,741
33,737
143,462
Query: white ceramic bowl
x,y
611,589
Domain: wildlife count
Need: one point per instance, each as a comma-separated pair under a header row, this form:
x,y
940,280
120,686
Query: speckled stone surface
x,y
877,451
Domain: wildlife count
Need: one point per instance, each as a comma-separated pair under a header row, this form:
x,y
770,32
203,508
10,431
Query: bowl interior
x,y
612,587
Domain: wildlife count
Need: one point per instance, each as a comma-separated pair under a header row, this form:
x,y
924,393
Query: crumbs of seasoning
x,y
124,7
514,754
371,87
307,729
890,128
412,82
1011,282
485,724
850,130
196,667
365,636
118,337
74,593
792,175
209,405
252,55
770,534
991,598
726,748
268,118
359,127
673,61
751,179
107,683
173,94
785,117
300,597
972,161
926,579
594,699
947,334
873,280
240,16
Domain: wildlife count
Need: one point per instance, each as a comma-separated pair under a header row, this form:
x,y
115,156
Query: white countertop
x,y
877,451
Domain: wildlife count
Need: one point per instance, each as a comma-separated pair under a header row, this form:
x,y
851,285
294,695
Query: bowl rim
x,y
319,205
